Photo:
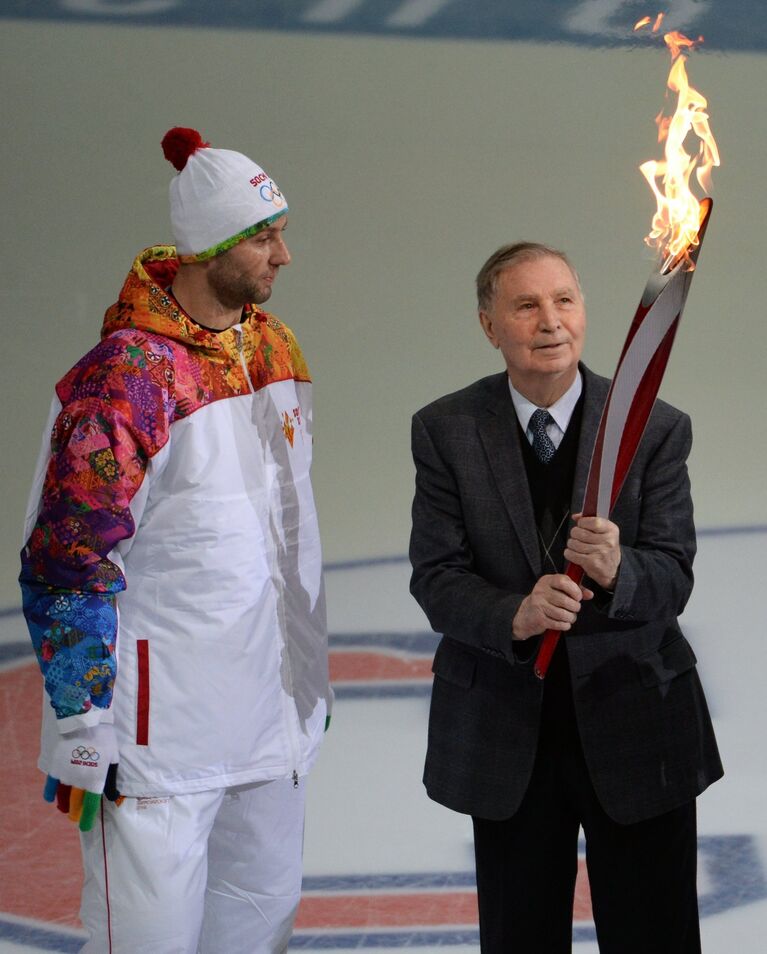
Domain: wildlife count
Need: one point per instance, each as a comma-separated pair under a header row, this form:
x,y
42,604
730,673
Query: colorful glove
x,y
83,767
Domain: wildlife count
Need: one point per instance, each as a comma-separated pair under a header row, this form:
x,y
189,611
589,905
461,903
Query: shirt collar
x,y
561,410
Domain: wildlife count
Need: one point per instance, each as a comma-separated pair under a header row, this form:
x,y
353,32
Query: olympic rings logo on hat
x,y
90,755
270,193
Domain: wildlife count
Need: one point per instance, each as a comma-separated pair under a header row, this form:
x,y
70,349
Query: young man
x,y
172,584
617,740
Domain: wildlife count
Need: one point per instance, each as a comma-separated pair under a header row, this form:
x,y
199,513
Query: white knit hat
x,y
218,198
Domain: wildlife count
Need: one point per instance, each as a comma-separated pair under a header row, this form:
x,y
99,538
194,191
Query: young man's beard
x,y
232,288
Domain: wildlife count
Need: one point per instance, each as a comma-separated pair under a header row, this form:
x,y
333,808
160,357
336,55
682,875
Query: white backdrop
x,y
405,163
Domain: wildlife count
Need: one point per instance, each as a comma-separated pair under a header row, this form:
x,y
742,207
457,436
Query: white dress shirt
x,y
561,411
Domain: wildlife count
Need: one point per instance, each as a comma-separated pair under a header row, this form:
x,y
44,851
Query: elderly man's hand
x,y
594,545
553,604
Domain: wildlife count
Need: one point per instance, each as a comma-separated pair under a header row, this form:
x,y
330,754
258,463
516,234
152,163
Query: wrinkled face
x,y
245,273
538,321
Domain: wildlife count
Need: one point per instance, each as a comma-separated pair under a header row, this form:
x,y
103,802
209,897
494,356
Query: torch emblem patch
x,y
288,428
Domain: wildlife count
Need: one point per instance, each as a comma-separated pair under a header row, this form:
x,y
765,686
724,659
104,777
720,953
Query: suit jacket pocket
x,y
454,665
667,662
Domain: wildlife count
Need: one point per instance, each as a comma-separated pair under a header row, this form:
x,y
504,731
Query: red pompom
x,y
179,143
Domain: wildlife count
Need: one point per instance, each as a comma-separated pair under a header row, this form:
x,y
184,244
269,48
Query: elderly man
x,y
172,583
617,739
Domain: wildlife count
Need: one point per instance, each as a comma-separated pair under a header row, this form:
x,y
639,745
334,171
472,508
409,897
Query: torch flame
x,y
678,216
645,20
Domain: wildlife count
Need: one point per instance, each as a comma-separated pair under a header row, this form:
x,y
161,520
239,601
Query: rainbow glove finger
x,y
79,805
51,787
83,766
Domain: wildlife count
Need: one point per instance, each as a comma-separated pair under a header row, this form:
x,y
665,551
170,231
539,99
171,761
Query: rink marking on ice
x,y
434,909
413,910
438,909
30,933
382,665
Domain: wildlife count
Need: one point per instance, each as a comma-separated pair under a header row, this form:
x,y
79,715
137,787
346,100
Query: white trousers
x,y
218,872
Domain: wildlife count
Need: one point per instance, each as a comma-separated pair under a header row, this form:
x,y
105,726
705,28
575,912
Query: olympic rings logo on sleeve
x,y
270,193
82,755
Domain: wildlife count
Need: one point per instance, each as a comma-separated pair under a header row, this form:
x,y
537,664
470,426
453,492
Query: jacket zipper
x,y
289,723
290,728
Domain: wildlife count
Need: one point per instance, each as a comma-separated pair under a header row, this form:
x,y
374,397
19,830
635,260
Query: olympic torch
x,y
679,226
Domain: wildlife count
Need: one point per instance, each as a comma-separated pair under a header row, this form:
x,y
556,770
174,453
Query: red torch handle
x,y
632,394
551,636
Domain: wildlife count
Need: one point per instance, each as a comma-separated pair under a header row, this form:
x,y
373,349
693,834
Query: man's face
x,y
538,321
245,273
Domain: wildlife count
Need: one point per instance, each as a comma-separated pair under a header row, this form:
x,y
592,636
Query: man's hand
x,y
82,767
594,545
553,604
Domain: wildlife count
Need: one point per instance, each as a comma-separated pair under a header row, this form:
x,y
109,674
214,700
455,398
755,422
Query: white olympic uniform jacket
x,y
172,574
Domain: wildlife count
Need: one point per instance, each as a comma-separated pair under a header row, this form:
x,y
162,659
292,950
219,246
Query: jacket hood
x,y
146,304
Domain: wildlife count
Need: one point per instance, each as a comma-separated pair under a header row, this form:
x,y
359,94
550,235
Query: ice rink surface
x,y
385,868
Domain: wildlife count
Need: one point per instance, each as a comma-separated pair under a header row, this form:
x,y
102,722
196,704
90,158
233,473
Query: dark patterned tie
x,y
542,443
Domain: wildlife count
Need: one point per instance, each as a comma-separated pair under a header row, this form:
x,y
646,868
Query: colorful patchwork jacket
x,y
172,575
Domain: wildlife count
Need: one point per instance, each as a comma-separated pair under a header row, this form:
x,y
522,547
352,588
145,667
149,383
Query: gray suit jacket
x,y
642,716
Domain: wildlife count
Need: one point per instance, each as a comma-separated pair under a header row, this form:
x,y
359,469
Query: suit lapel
x,y
499,434
500,437
594,396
